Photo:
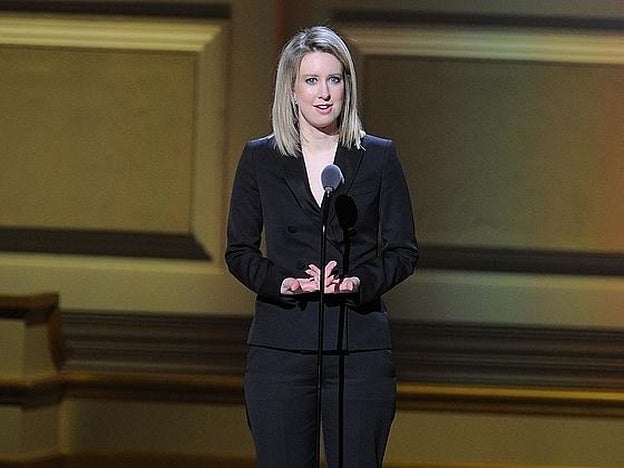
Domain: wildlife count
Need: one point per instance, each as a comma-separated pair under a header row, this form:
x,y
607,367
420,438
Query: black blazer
x,y
370,234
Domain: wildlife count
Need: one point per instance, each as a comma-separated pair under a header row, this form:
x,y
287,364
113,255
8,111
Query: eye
x,y
311,80
336,79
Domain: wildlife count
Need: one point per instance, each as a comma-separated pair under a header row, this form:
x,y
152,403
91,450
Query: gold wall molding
x,y
204,40
141,460
32,309
449,367
85,281
30,386
526,401
32,392
496,43
101,32
502,166
228,389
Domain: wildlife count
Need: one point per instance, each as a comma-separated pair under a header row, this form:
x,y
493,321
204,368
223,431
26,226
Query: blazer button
x,y
292,229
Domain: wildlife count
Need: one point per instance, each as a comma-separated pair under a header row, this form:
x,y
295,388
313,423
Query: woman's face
x,y
319,91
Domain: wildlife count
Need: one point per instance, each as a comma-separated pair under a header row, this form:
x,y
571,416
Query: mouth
x,y
323,107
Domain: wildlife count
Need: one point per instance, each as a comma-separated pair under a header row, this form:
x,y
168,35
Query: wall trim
x,y
28,461
32,309
31,392
143,8
107,32
159,280
109,243
527,401
488,42
204,388
221,389
134,460
441,366
557,21
468,258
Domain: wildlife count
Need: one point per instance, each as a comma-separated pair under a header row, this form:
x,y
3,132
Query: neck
x,y
316,139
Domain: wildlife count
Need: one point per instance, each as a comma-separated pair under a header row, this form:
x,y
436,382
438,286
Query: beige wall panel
x,y
96,139
37,350
416,437
506,154
127,123
149,427
29,432
12,347
137,139
509,299
41,431
306,13
509,138
506,440
11,428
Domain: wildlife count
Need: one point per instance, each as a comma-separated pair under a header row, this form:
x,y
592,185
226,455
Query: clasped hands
x,y
334,284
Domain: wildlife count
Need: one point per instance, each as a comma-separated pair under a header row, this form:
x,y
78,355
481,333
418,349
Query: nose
x,y
324,91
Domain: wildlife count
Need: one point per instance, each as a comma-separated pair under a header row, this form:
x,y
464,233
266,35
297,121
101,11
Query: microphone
x,y
331,178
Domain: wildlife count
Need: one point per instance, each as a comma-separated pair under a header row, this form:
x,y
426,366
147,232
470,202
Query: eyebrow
x,y
307,75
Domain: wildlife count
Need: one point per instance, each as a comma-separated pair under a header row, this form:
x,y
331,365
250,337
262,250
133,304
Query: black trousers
x,y
358,406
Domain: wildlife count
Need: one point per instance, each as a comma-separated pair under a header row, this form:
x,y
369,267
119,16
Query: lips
x,y
324,107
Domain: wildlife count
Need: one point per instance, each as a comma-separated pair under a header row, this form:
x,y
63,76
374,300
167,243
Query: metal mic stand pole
x,y
321,319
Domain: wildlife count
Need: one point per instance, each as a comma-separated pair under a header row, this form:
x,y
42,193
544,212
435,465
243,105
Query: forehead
x,y
319,63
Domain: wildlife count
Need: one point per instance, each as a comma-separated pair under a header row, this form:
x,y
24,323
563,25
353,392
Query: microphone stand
x,y
321,319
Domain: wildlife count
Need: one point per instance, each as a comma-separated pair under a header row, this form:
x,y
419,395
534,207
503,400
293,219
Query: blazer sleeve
x,y
398,249
244,233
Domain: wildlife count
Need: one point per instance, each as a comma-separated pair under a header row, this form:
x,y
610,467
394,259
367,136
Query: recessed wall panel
x,y
113,128
96,139
512,142
506,154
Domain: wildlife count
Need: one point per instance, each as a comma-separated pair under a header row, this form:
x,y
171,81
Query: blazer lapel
x,y
349,161
297,180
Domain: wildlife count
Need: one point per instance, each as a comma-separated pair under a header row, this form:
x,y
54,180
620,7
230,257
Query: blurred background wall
x,y
121,124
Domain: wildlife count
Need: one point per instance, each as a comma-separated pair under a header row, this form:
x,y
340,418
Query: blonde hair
x,y
285,114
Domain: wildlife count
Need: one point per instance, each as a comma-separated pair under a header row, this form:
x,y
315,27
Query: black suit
x,y
272,191
370,234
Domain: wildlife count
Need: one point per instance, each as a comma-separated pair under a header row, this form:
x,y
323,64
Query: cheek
x,y
340,95
340,101
303,96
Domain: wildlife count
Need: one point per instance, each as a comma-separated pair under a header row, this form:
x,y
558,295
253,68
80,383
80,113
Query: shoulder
x,y
263,144
261,158
259,151
380,152
376,143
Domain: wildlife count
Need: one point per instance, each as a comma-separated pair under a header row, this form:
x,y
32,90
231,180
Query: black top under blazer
x,y
370,233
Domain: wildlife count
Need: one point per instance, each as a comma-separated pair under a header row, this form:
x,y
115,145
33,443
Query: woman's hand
x,y
334,284
292,286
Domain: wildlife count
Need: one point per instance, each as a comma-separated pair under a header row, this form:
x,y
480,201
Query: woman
x,y
371,247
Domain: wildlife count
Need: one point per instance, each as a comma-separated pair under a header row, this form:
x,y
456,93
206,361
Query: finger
x,y
346,286
332,280
309,285
329,268
286,286
351,284
312,273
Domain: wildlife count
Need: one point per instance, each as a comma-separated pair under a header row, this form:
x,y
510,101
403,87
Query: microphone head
x,y
331,178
